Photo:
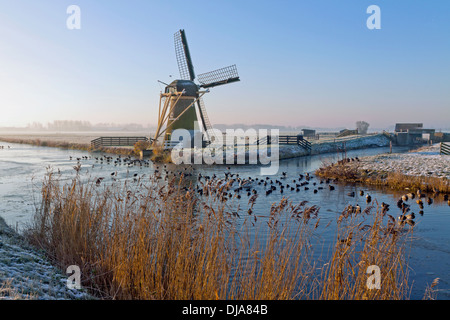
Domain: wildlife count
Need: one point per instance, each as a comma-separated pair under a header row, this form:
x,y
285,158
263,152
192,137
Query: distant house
x,y
309,133
347,132
405,127
410,133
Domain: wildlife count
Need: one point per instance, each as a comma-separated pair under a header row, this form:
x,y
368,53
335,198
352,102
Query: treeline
x,y
223,127
77,125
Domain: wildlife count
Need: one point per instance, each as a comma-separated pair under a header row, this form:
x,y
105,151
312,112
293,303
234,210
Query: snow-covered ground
x,y
292,151
335,145
26,274
425,161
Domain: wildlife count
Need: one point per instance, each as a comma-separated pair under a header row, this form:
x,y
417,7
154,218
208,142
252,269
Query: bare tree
x,y
362,127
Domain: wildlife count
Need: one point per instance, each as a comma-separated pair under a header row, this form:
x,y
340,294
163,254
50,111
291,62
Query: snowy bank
x,y
335,145
425,161
293,150
26,274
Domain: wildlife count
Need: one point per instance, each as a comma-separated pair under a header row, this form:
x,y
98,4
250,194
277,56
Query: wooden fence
x,y
286,140
116,141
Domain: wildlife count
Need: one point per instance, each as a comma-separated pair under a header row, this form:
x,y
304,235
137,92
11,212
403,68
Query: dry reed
x,y
154,240
360,244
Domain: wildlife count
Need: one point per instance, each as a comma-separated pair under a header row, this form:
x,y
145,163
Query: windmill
x,y
182,100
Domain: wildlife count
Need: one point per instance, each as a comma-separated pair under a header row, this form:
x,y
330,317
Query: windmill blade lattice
x,y
218,77
183,56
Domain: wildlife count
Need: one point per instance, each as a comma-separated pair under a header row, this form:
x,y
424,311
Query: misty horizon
x,y
87,126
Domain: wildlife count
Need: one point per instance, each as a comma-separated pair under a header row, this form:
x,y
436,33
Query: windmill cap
x,y
189,87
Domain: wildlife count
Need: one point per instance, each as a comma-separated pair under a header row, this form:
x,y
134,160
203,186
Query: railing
x,y
445,148
170,144
286,140
116,141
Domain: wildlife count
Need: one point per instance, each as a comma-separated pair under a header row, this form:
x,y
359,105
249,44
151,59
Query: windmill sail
x,y
218,77
183,56
203,115
206,123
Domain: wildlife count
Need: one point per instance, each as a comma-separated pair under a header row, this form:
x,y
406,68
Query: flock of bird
x,y
407,215
115,161
232,185
248,185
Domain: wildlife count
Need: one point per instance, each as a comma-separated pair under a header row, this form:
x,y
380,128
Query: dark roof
x,y
190,88
408,126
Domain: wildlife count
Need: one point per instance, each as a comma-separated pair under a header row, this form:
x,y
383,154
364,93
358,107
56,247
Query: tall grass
x,y
160,155
360,244
153,240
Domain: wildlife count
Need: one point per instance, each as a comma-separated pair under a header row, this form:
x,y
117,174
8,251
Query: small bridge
x,y
116,141
445,148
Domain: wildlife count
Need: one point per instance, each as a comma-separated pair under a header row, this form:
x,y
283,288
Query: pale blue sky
x,y
312,63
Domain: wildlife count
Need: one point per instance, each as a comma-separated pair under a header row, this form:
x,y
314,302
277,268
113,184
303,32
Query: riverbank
x,y
425,161
26,274
65,144
422,168
81,141
335,145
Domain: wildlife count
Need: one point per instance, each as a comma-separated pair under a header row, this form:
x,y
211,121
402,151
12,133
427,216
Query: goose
x,y
384,207
410,216
410,195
